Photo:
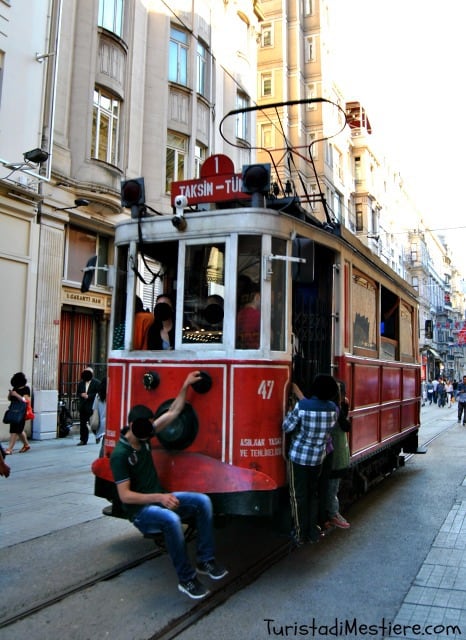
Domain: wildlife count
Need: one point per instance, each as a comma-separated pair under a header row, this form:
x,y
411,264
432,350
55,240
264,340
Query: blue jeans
x,y
153,518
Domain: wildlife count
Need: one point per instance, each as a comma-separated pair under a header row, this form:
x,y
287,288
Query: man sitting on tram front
x,y
151,508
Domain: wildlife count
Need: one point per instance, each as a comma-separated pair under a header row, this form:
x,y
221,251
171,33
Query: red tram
x,y
323,302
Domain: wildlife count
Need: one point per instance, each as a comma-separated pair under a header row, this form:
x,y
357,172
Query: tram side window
x,y
278,302
364,303
155,316
248,304
389,324
204,293
119,308
406,332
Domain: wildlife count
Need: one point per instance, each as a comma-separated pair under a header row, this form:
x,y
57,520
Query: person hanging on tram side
x,y
309,423
151,508
340,462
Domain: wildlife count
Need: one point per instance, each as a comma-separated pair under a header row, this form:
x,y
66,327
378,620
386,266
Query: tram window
x,y
248,308
119,303
364,303
406,332
389,324
204,287
278,302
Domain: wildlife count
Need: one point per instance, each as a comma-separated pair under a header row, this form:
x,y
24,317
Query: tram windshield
x,y
217,292
204,293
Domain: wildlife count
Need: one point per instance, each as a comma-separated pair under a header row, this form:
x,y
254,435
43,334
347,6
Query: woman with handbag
x,y
99,408
20,392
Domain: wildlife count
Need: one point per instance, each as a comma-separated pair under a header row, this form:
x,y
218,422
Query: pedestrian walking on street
x,y
461,399
100,405
430,391
441,393
449,390
20,392
435,385
88,387
4,468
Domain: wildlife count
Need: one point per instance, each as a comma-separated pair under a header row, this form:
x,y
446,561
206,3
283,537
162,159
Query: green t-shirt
x,y
136,466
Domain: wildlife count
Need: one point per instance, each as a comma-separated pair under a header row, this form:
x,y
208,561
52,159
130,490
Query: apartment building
x,y
109,90
347,170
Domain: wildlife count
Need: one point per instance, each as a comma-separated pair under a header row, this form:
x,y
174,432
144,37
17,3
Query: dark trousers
x,y
304,485
462,411
322,490
83,428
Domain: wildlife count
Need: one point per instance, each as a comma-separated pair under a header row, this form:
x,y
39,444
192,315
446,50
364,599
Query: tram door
x,y
311,312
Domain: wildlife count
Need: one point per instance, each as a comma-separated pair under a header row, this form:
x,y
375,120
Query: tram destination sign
x,y
212,189
218,182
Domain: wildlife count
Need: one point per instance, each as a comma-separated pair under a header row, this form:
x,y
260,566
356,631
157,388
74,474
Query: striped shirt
x,y
310,423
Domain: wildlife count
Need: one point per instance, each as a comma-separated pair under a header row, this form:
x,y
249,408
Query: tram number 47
x,y
265,389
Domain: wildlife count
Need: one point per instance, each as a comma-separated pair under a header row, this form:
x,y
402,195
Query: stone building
x,y
102,91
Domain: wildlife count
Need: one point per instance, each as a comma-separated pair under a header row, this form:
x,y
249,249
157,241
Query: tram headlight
x,y
256,178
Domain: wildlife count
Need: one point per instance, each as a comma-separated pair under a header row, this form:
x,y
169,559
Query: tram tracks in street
x,y
222,594
79,587
219,594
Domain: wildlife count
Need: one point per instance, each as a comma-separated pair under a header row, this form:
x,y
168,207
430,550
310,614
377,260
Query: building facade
x,y
118,89
357,182
114,89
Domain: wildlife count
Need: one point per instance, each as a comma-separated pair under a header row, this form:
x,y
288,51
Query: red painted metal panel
x,y
364,430
366,384
208,406
411,383
409,415
239,441
379,412
258,409
117,409
391,383
389,421
196,472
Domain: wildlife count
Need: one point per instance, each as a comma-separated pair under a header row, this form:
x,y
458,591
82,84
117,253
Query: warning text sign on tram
x,y
218,183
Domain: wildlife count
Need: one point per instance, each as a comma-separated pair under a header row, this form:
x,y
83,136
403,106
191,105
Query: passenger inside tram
x,y
248,321
213,311
143,320
161,335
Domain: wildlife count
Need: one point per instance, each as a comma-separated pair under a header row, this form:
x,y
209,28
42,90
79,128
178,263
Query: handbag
x,y
15,413
94,421
29,412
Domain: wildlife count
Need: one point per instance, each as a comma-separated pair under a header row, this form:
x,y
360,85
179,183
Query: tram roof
x,y
255,220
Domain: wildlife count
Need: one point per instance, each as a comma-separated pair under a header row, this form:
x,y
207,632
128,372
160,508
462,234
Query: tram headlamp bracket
x,y
268,269
178,220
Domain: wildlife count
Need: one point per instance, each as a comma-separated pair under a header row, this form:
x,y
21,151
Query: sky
x,y
407,70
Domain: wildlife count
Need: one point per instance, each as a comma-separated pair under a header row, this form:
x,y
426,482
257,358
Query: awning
x,y
435,353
